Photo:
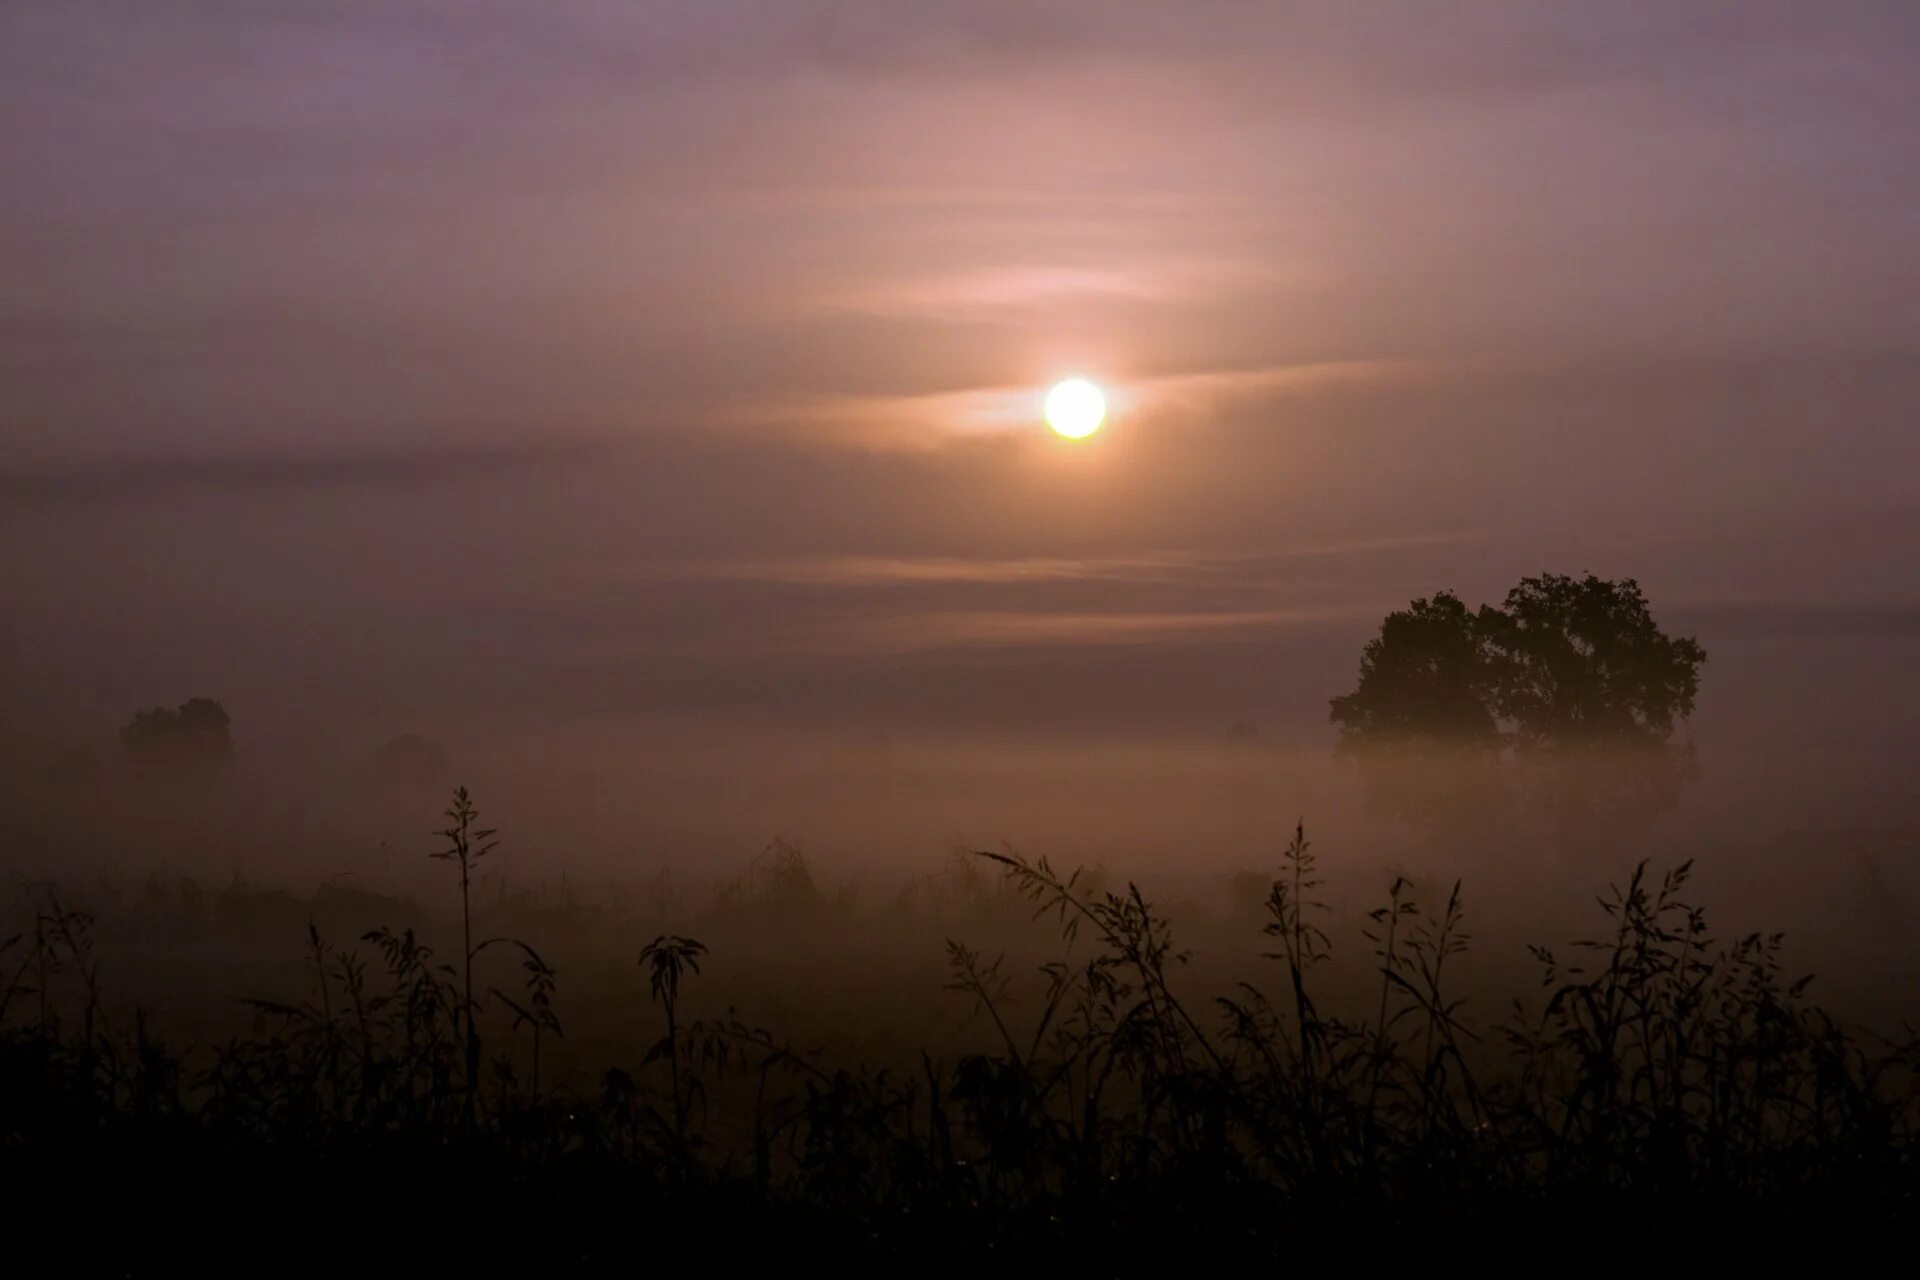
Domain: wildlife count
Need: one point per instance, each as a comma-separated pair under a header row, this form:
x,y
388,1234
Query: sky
x,y
431,365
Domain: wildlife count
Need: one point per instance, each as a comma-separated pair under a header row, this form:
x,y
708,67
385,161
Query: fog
x,y
1803,816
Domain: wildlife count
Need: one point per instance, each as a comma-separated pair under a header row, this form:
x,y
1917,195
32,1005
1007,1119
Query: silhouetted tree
x,y
1581,662
1421,720
1574,675
1426,677
194,739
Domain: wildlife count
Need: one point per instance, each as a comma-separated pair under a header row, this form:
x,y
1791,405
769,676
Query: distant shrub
x,y
194,739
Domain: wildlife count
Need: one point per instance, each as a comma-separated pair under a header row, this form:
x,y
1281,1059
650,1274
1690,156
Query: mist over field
x,y
1103,635
1137,762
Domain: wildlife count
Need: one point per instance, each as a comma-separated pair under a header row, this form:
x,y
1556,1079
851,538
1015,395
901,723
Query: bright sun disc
x,y
1075,408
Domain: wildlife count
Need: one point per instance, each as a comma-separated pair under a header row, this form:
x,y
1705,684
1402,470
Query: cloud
x,y
884,570
1163,568
1890,621
927,420
1015,291
141,479
968,293
972,629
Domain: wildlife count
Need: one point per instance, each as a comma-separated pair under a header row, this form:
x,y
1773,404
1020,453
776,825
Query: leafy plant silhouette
x,y
467,844
1115,1119
667,959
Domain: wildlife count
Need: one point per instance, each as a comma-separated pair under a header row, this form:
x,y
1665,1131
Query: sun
x,y
1075,408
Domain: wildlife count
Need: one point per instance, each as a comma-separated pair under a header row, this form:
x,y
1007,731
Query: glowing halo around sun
x,y
1075,408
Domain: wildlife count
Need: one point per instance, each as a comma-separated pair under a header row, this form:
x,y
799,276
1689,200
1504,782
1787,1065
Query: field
x,y
1000,1059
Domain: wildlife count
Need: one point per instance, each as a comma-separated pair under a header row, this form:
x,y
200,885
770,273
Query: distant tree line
x,y
193,743
195,738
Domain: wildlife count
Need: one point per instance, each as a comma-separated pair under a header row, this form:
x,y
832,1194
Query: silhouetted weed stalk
x,y
1660,1062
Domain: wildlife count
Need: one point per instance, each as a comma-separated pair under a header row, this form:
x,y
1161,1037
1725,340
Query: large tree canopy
x,y
1583,662
1425,676
1567,672
1563,662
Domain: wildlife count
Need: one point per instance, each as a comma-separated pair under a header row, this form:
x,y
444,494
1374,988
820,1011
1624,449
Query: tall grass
x,y
1658,1066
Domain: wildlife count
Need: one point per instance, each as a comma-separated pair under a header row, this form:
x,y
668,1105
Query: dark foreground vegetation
x,y
1661,1081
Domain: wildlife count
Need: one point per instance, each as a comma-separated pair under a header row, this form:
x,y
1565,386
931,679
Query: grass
x,y
1660,1080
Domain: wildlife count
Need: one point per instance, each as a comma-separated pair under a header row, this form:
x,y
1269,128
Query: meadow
x,y
1003,1058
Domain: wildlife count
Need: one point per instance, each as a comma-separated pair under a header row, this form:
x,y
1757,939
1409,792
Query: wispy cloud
x,y
876,570
1168,567
1890,621
930,419
970,293
929,632
137,479
1019,289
